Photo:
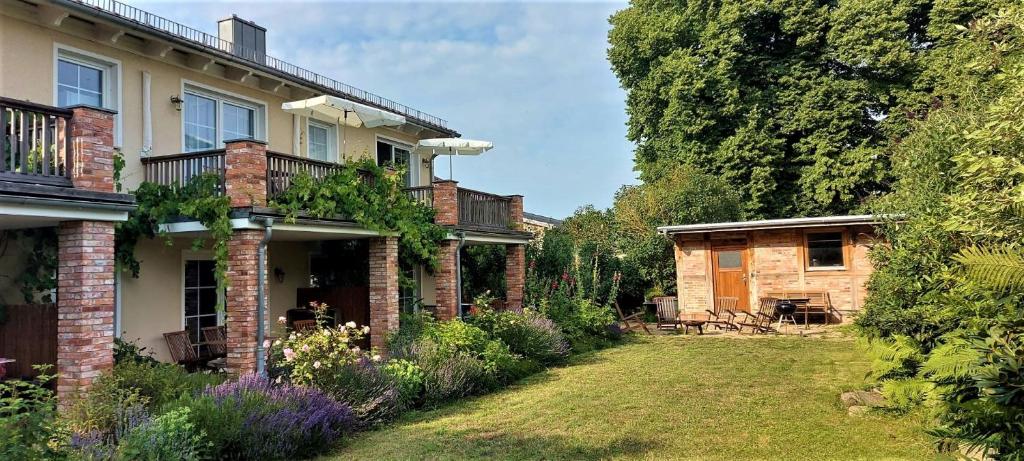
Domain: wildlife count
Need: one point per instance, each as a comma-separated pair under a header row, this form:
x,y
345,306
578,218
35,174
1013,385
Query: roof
x,y
542,219
790,223
181,34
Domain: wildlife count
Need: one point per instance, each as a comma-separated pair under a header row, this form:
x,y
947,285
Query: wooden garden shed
x,y
752,259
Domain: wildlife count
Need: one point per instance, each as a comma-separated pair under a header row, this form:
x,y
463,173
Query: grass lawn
x,y
666,397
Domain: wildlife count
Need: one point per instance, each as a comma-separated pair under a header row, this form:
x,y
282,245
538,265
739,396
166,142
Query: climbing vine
x,y
158,204
372,196
39,275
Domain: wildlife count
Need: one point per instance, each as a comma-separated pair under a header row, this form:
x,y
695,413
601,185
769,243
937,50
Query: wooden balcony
x,y
35,142
474,209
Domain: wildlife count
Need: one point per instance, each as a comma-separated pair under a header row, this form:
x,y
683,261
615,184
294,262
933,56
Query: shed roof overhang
x,y
765,224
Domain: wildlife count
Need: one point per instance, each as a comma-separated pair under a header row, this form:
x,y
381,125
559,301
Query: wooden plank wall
x,y
29,335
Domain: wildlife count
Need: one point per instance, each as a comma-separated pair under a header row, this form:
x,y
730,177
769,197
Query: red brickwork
x,y
92,147
445,281
516,212
85,304
242,300
515,273
446,202
383,290
245,174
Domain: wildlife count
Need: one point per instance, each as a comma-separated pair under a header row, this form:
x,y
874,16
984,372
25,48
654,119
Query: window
x,y
729,260
200,300
212,118
320,143
79,84
825,250
396,155
200,123
83,78
408,293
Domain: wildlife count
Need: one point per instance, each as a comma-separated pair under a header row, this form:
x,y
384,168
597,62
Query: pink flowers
x,y
289,354
305,348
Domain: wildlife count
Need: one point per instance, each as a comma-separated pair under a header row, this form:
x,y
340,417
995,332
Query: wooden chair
x,y
668,312
821,302
303,326
216,339
632,321
182,350
723,316
761,321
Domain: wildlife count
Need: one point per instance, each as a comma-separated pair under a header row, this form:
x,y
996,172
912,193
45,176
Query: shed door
x,y
730,270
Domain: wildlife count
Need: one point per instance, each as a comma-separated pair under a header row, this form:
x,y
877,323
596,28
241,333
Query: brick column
x,y
245,172
85,304
516,212
446,281
515,273
242,300
383,290
92,147
446,202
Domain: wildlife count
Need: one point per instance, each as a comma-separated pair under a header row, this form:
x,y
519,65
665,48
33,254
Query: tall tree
x,y
791,101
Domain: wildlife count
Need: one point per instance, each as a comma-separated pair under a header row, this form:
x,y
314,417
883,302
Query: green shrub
x,y
408,378
585,323
27,419
161,383
101,410
170,436
447,376
530,334
325,358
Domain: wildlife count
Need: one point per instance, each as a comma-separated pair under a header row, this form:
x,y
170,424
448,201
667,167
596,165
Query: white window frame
x,y
112,89
414,159
332,138
192,255
258,107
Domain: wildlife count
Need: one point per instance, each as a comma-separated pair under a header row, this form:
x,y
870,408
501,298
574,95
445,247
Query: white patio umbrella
x,y
451,147
344,112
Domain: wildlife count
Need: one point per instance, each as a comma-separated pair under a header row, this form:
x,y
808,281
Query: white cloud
x,y
532,77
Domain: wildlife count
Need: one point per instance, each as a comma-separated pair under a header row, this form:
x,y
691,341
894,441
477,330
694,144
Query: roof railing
x,y
201,38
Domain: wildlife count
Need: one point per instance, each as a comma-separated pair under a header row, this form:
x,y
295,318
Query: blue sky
x,y
531,77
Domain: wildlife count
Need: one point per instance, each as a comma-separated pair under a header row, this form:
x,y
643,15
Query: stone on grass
x,y
857,410
872,399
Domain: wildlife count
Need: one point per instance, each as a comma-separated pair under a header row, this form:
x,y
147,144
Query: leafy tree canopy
x,y
790,101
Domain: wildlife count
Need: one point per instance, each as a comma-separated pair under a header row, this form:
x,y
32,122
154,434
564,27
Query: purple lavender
x,y
284,421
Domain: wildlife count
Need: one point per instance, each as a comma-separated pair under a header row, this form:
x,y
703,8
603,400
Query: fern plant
x,y
1001,267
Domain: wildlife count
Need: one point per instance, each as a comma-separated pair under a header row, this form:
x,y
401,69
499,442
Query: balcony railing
x,y
179,169
422,194
281,168
34,143
484,210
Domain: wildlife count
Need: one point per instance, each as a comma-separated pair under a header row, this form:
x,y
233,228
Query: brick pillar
x,y
92,147
242,300
383,290
85,304
515,273
516,212
446,202
446,281
245,172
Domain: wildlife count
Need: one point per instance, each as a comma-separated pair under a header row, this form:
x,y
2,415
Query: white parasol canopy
x,y
451,147
343,111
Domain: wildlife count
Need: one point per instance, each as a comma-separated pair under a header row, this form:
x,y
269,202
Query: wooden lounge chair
x,y
633,322
182,350
216,339
668,312
761,321
723,316
303,326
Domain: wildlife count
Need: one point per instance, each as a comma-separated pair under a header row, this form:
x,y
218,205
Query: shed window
x,y
825,250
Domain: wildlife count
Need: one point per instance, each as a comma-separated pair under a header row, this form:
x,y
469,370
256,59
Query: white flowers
x,y
350,324
282,320
375,358
266,343
305,348
316,364
366,330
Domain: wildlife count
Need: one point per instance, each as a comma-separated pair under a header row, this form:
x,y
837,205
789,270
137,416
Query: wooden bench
x,y
818,302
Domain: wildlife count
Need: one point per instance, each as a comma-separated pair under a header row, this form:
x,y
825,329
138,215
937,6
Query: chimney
x,y
249,41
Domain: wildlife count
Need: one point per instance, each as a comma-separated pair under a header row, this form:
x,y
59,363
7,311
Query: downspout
x,y
458,271
261,301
